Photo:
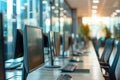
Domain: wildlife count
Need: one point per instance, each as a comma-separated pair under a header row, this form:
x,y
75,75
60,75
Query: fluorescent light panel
x,y
95,1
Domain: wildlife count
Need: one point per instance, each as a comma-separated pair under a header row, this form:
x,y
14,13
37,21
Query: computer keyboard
x,y
64,77
12,65
69,68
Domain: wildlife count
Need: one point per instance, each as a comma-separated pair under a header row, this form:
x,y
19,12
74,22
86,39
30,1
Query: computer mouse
x,y
67,75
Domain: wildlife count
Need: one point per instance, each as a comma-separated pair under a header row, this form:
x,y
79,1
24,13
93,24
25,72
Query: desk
x,y
90,62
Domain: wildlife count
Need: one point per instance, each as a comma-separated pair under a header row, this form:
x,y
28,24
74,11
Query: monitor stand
x,y
52,65
24,73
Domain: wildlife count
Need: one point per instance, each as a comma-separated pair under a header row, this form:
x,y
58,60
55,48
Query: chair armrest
x,y
103,64
106,68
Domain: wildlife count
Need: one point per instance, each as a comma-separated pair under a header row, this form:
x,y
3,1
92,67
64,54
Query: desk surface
x,y
89,62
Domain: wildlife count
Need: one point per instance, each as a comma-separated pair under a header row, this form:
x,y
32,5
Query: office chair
x,y
109,44
98,45
117,71
94,41
111,69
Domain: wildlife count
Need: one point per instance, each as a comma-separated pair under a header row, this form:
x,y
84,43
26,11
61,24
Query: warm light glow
x,y
94,7
95,1
94,11
95,19
96,25
118,11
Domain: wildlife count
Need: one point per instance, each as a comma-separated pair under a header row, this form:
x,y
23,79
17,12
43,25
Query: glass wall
x,y
17,13
46,16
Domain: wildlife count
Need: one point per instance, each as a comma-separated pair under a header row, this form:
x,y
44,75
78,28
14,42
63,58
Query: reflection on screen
x,y
66,41
35,47
57,43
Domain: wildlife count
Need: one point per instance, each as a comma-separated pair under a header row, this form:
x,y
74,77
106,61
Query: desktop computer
x,y
65,45
33,49
54,48
18,52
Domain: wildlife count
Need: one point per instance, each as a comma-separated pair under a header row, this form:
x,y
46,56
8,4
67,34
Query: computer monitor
x,y
45,37
57,43
2,65
65,43
33,49
54,45
19,51
70,41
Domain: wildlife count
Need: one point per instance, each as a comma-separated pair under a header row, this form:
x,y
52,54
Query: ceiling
x,y
104,7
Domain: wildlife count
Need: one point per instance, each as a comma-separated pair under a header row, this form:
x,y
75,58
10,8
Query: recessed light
x,y
118,11
94,11
95,1
94,7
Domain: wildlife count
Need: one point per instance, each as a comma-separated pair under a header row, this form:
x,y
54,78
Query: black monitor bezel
x,y
19,33
2,57
26,62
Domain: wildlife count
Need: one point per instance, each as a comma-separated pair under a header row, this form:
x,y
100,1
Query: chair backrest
x,y
94,41
115,62
98,44
117,71
109,44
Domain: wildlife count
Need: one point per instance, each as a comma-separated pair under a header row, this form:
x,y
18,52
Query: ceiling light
x,y
117,11
94,7
95,1
94,11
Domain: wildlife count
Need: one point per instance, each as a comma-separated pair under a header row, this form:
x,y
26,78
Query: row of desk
x,y
89,69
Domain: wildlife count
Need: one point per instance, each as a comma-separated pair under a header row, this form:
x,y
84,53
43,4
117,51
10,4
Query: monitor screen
x,y
70,41
54,42
18,44
66,41
2,70
33,47
57,43
45,37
